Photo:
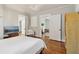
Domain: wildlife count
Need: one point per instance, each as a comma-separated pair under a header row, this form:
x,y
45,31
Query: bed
x,y
21,45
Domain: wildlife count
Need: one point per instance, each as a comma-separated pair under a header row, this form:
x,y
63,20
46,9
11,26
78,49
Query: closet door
x,y
55,27
72,32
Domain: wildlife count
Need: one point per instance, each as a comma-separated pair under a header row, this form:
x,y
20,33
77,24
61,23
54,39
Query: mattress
x,y
21,45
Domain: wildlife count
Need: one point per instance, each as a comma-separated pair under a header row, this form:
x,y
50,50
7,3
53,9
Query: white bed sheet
x,y
21,45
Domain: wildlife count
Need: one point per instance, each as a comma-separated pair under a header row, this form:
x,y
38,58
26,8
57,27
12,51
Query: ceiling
x,y
33,8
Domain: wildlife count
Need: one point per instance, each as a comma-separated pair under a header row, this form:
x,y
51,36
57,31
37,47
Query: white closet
x,y
55,27
53,24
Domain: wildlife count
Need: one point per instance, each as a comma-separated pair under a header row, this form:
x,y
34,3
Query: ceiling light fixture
x,y
35,7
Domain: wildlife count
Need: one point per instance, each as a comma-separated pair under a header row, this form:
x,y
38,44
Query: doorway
x,y
21,24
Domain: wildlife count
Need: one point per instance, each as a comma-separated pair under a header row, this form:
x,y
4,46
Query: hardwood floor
x,y
54,47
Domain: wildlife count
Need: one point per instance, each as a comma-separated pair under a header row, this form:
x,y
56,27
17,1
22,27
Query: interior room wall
x,y
1,27
1,10
35,27
60,10
1,21
77,7
9,18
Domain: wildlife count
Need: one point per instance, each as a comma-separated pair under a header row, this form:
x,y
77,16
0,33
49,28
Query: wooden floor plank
x,y
54,47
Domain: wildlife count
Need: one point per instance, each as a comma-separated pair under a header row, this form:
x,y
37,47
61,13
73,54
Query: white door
x,y
55,27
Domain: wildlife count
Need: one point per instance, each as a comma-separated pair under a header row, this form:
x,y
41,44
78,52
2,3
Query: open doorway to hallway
x,y
21,24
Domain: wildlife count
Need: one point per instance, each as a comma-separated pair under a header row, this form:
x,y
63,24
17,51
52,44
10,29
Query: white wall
x,y
1,22
1,27
1,10
10,17
61,10
34,21
77,7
